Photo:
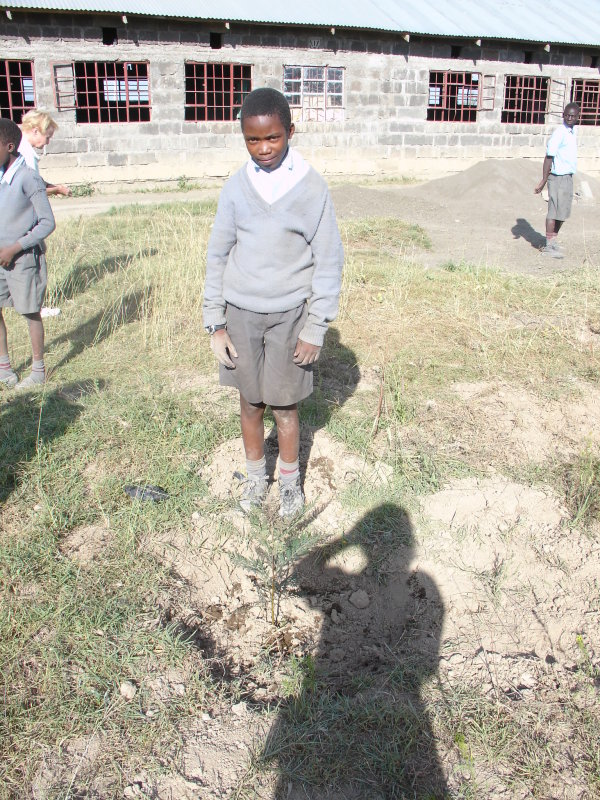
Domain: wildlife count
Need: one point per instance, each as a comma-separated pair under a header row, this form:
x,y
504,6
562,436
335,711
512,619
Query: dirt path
x,y
487,215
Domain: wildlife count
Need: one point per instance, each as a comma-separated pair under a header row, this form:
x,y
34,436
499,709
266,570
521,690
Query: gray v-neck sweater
x,y
270,258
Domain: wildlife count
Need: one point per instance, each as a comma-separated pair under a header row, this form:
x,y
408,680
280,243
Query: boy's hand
x,y
8,253
305,353
223,348
539,187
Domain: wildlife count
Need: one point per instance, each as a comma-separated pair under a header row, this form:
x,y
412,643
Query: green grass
x,y
132,398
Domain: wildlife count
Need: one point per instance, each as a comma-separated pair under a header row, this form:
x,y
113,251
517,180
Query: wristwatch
x,y
212,328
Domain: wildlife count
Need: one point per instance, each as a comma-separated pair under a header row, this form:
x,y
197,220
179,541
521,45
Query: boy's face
x,y
571,116
266,140
7,149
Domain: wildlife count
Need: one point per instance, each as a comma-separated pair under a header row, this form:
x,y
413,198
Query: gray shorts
x,y
23,284
265,344
560,196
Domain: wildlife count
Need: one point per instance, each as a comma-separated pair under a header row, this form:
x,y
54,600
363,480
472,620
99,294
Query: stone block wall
x,y
384,130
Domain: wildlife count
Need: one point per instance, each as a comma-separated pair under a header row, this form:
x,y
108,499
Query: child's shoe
x,y
8,378
32,381
552,250
291,498
254,491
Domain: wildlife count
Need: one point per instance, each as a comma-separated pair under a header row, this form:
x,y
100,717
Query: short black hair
x,y
576,106
266,103
10,132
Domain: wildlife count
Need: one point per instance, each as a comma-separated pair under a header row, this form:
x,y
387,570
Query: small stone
x,y
239,709
133,790
128,690
206,718
196,516
527,681
38,507
360,599
336,654
430,405
335,617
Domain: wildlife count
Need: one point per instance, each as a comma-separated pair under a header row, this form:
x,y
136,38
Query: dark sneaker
x,y
291,498
254,492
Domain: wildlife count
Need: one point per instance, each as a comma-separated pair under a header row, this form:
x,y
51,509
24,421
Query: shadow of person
x,y
128,308
83,276
522,230
358,727
336,376
30,421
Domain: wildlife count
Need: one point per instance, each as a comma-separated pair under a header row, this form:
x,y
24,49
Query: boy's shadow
x,y
335,378
28,423
358,723
129,308
522,230
83,276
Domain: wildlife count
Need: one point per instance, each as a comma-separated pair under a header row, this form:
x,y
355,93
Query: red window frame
x,y
14,90
454,96
215,91
111,91
526,99
586,93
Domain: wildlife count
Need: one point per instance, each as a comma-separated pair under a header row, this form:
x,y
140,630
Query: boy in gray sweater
x,y
26,219
273,278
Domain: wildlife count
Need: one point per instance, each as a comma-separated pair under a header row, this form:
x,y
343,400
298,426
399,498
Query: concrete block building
x,y
145,90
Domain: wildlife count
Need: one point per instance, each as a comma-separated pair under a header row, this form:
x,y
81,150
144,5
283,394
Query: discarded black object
x,y
154,493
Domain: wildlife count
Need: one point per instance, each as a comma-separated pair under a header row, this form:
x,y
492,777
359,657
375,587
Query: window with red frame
x,y
587,94
215,92
17,90
111,91
453,96
525,99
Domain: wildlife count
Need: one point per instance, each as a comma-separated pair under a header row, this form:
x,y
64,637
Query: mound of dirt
x,y
487,215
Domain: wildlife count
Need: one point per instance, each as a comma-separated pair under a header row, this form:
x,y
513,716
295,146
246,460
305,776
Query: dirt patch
x,y
86,543
487,215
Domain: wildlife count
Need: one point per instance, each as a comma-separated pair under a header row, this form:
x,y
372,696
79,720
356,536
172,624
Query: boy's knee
x,y
35,316
285,416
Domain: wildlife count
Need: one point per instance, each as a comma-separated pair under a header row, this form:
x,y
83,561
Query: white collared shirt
x,y
273,185
9,174
29,154
562,148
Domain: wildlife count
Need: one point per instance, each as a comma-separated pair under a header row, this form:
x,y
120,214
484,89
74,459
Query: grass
x,y
132,399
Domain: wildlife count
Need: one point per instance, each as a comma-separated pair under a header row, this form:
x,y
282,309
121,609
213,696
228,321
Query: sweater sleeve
x,y
222,239
328,254
35,190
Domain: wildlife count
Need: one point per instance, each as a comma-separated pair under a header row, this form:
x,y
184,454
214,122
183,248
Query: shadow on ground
x,y
32,420
129,308
359,727
522,230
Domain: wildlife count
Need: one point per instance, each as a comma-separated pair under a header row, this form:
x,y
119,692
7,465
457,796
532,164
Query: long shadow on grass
x,y
522,230
129,308
82,276
29,422
359,727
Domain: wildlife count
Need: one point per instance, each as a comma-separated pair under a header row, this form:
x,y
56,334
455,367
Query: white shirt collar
x,y
287,162
9,174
